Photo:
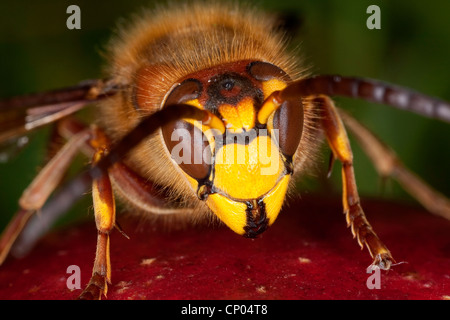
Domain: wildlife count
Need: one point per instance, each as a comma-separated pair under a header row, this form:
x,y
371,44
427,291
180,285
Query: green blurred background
x,y
38,52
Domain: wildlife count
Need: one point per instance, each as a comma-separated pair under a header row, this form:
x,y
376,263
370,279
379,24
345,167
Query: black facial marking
x,y
230,88
257,221
205,188
193,143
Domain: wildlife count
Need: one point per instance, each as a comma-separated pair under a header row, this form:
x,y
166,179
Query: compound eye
x,y
288,120
187,144
189,148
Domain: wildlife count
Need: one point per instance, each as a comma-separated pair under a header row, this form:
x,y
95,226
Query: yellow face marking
x,y
248,171
232,213
239,117
271,86
275,198
195,103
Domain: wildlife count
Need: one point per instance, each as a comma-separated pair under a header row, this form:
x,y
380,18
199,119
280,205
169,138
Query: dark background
x,y
38,52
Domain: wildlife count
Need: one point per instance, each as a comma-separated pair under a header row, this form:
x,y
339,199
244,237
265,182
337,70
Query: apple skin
x,y
308,253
